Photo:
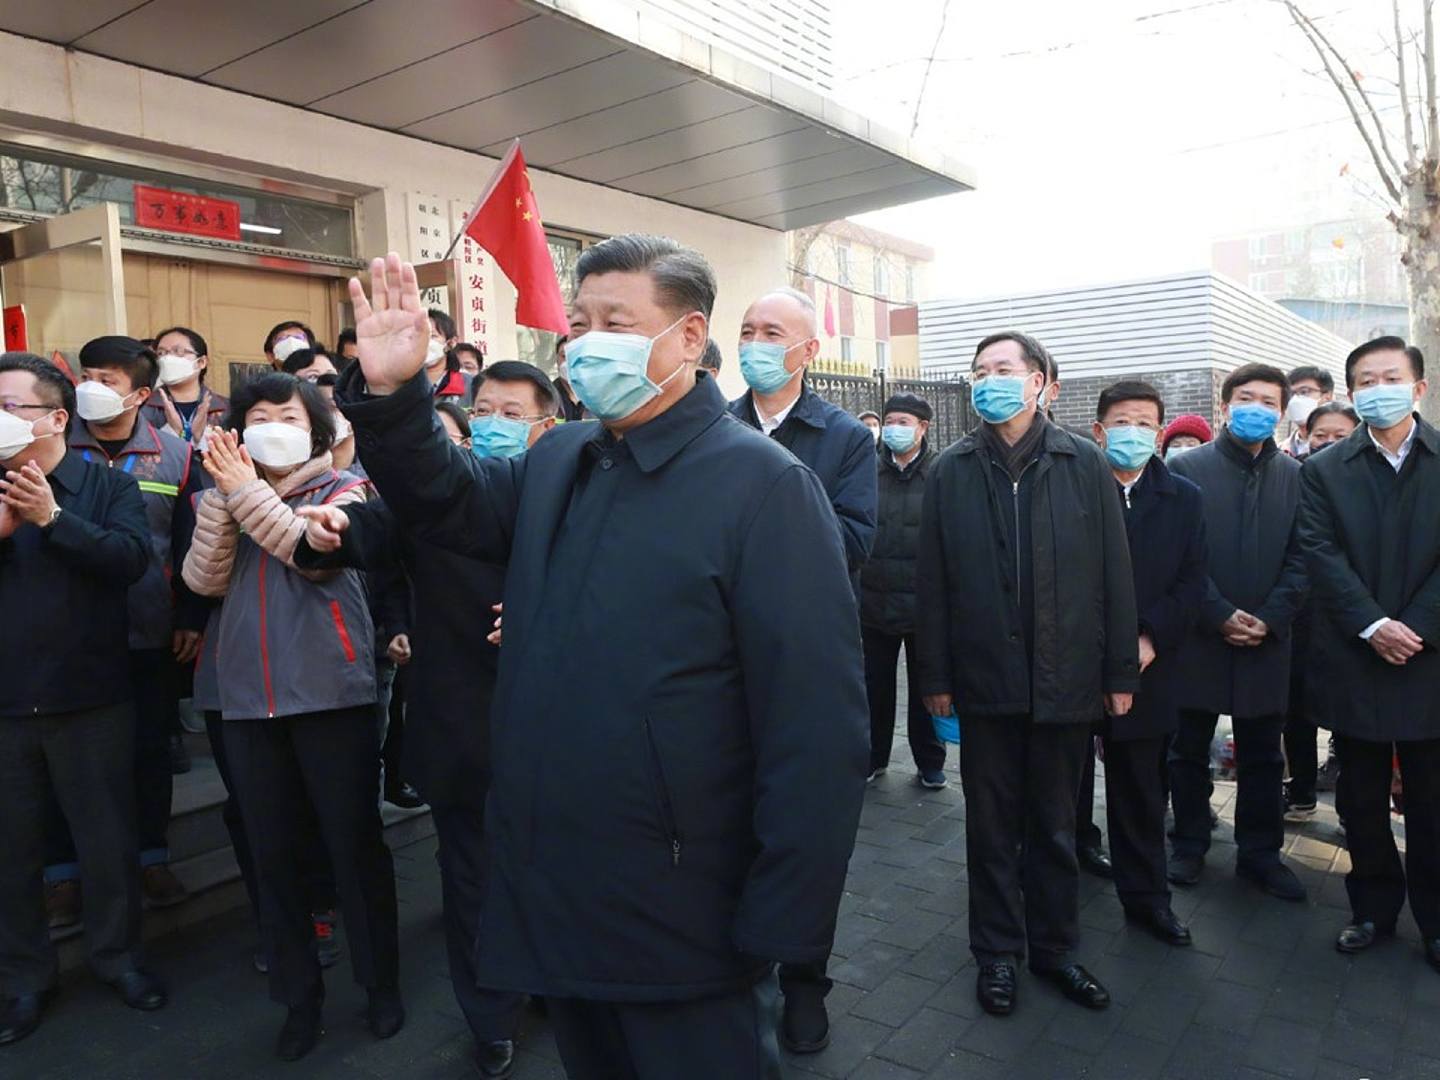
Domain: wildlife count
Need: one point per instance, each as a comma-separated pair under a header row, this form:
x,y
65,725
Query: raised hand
x,y
227,462
323,526
28,494
391,327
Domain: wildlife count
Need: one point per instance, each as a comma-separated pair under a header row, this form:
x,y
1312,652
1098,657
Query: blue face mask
x,y
762,365
498,436
899,437
610,372
1176,451
947,728
1128,448
998,398
1251,422
1386,405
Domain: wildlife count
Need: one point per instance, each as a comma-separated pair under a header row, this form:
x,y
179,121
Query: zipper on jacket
x,y
667,809
1015,496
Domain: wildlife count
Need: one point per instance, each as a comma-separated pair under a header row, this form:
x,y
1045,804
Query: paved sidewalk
x,y
1262,994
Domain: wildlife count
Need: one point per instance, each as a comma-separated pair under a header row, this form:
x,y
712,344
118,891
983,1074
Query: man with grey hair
x,y
777,343
652,859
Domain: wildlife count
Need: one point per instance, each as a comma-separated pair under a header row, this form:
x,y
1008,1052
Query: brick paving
x,y
1263,994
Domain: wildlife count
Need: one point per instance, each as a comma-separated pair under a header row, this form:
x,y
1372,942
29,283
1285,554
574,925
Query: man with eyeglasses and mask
x,y
1026,630
657,852
73,539
778,342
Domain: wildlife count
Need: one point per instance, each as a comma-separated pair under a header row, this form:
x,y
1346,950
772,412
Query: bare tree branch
x,y
1391,178
1432,114
1359,89
1410,147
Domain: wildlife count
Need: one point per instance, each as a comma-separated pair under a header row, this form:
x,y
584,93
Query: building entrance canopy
x,y
599,90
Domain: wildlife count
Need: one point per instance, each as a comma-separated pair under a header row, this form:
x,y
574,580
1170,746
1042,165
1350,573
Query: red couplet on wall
x,y
175,211
17,334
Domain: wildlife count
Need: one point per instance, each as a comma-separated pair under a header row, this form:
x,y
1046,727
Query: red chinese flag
x,y
506,223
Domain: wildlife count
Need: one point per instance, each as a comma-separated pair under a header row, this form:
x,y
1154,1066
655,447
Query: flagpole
x,y
490,187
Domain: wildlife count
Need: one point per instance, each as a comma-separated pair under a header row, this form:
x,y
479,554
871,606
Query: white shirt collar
x,y
769,424
1397,459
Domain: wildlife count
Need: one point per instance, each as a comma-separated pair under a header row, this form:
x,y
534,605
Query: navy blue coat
x,y
1165,522
841,451
681,814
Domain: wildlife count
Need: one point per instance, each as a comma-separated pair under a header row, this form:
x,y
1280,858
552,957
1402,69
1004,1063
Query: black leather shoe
x,y
386,1014
805,1025
1162,923
140,990
404,796
302,1030
1078,985
995,987
1185,869
1093,860
1275,878
495,1060
1432,953
20,1016
1359,936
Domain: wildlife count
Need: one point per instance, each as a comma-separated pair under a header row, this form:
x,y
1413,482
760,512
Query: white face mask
x,y
277,445
97,402
176,369
15,435
285,346
1300,408
434,352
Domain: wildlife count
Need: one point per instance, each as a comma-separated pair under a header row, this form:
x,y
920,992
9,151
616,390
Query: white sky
x,y
1113,139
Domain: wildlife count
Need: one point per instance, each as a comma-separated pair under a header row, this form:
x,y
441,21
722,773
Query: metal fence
x,y
950,398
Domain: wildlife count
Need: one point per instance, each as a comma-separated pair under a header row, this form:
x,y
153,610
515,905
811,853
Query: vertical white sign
x,y
475,277
429,233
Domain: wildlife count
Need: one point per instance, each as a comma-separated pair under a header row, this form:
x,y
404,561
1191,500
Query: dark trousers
x,y
1087,833
882,657
392,746
1021,780
1135,811
718,1038
1377,883
1259,801
85,759
329,761
154,683
1302,757
460,830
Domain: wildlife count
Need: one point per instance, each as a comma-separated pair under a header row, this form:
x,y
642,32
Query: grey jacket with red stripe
x,y
285,642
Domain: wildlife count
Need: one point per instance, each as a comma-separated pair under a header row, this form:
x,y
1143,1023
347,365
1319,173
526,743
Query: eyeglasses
x,y
179,352
509,414
16,406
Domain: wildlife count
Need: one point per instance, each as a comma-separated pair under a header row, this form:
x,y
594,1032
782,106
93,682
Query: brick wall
x,y
1184,392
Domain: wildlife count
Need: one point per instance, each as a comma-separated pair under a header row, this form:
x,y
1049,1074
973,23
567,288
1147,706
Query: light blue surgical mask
x,y
762,365
1176,451
1251,422
1128,447
899,437
609,372
1385,405
498,436
998,398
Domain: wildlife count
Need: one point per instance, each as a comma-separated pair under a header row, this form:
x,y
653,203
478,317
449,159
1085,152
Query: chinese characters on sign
x,y
175,211
17,336
475,282
429,237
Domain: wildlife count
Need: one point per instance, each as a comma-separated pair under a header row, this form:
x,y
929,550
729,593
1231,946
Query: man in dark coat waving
x,y
654,853
1370,529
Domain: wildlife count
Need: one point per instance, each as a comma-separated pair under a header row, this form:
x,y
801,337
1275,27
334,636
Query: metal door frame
x,y
94,223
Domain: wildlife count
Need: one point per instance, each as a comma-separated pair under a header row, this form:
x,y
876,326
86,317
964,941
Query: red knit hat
x,y
1189,424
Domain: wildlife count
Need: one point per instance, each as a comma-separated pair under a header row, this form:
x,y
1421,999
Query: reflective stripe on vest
x,y
155,487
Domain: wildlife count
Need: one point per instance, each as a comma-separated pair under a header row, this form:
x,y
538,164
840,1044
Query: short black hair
x,y
1037,357
278,387
289,324
196,342
443,322
1255,372
51,386
519,371
465,346
684,281
1384,344
1332,408
1312,373
711,358
1127,390
136,360
347,337
300,358
456,413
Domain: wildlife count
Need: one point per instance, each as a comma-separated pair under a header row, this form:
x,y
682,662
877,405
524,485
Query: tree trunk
x,y
1421,228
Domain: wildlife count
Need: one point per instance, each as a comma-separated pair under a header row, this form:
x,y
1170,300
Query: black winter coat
x,y
1165,521
970,636
680,815
887,580
1372,542
1255,565
450,680
841,451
